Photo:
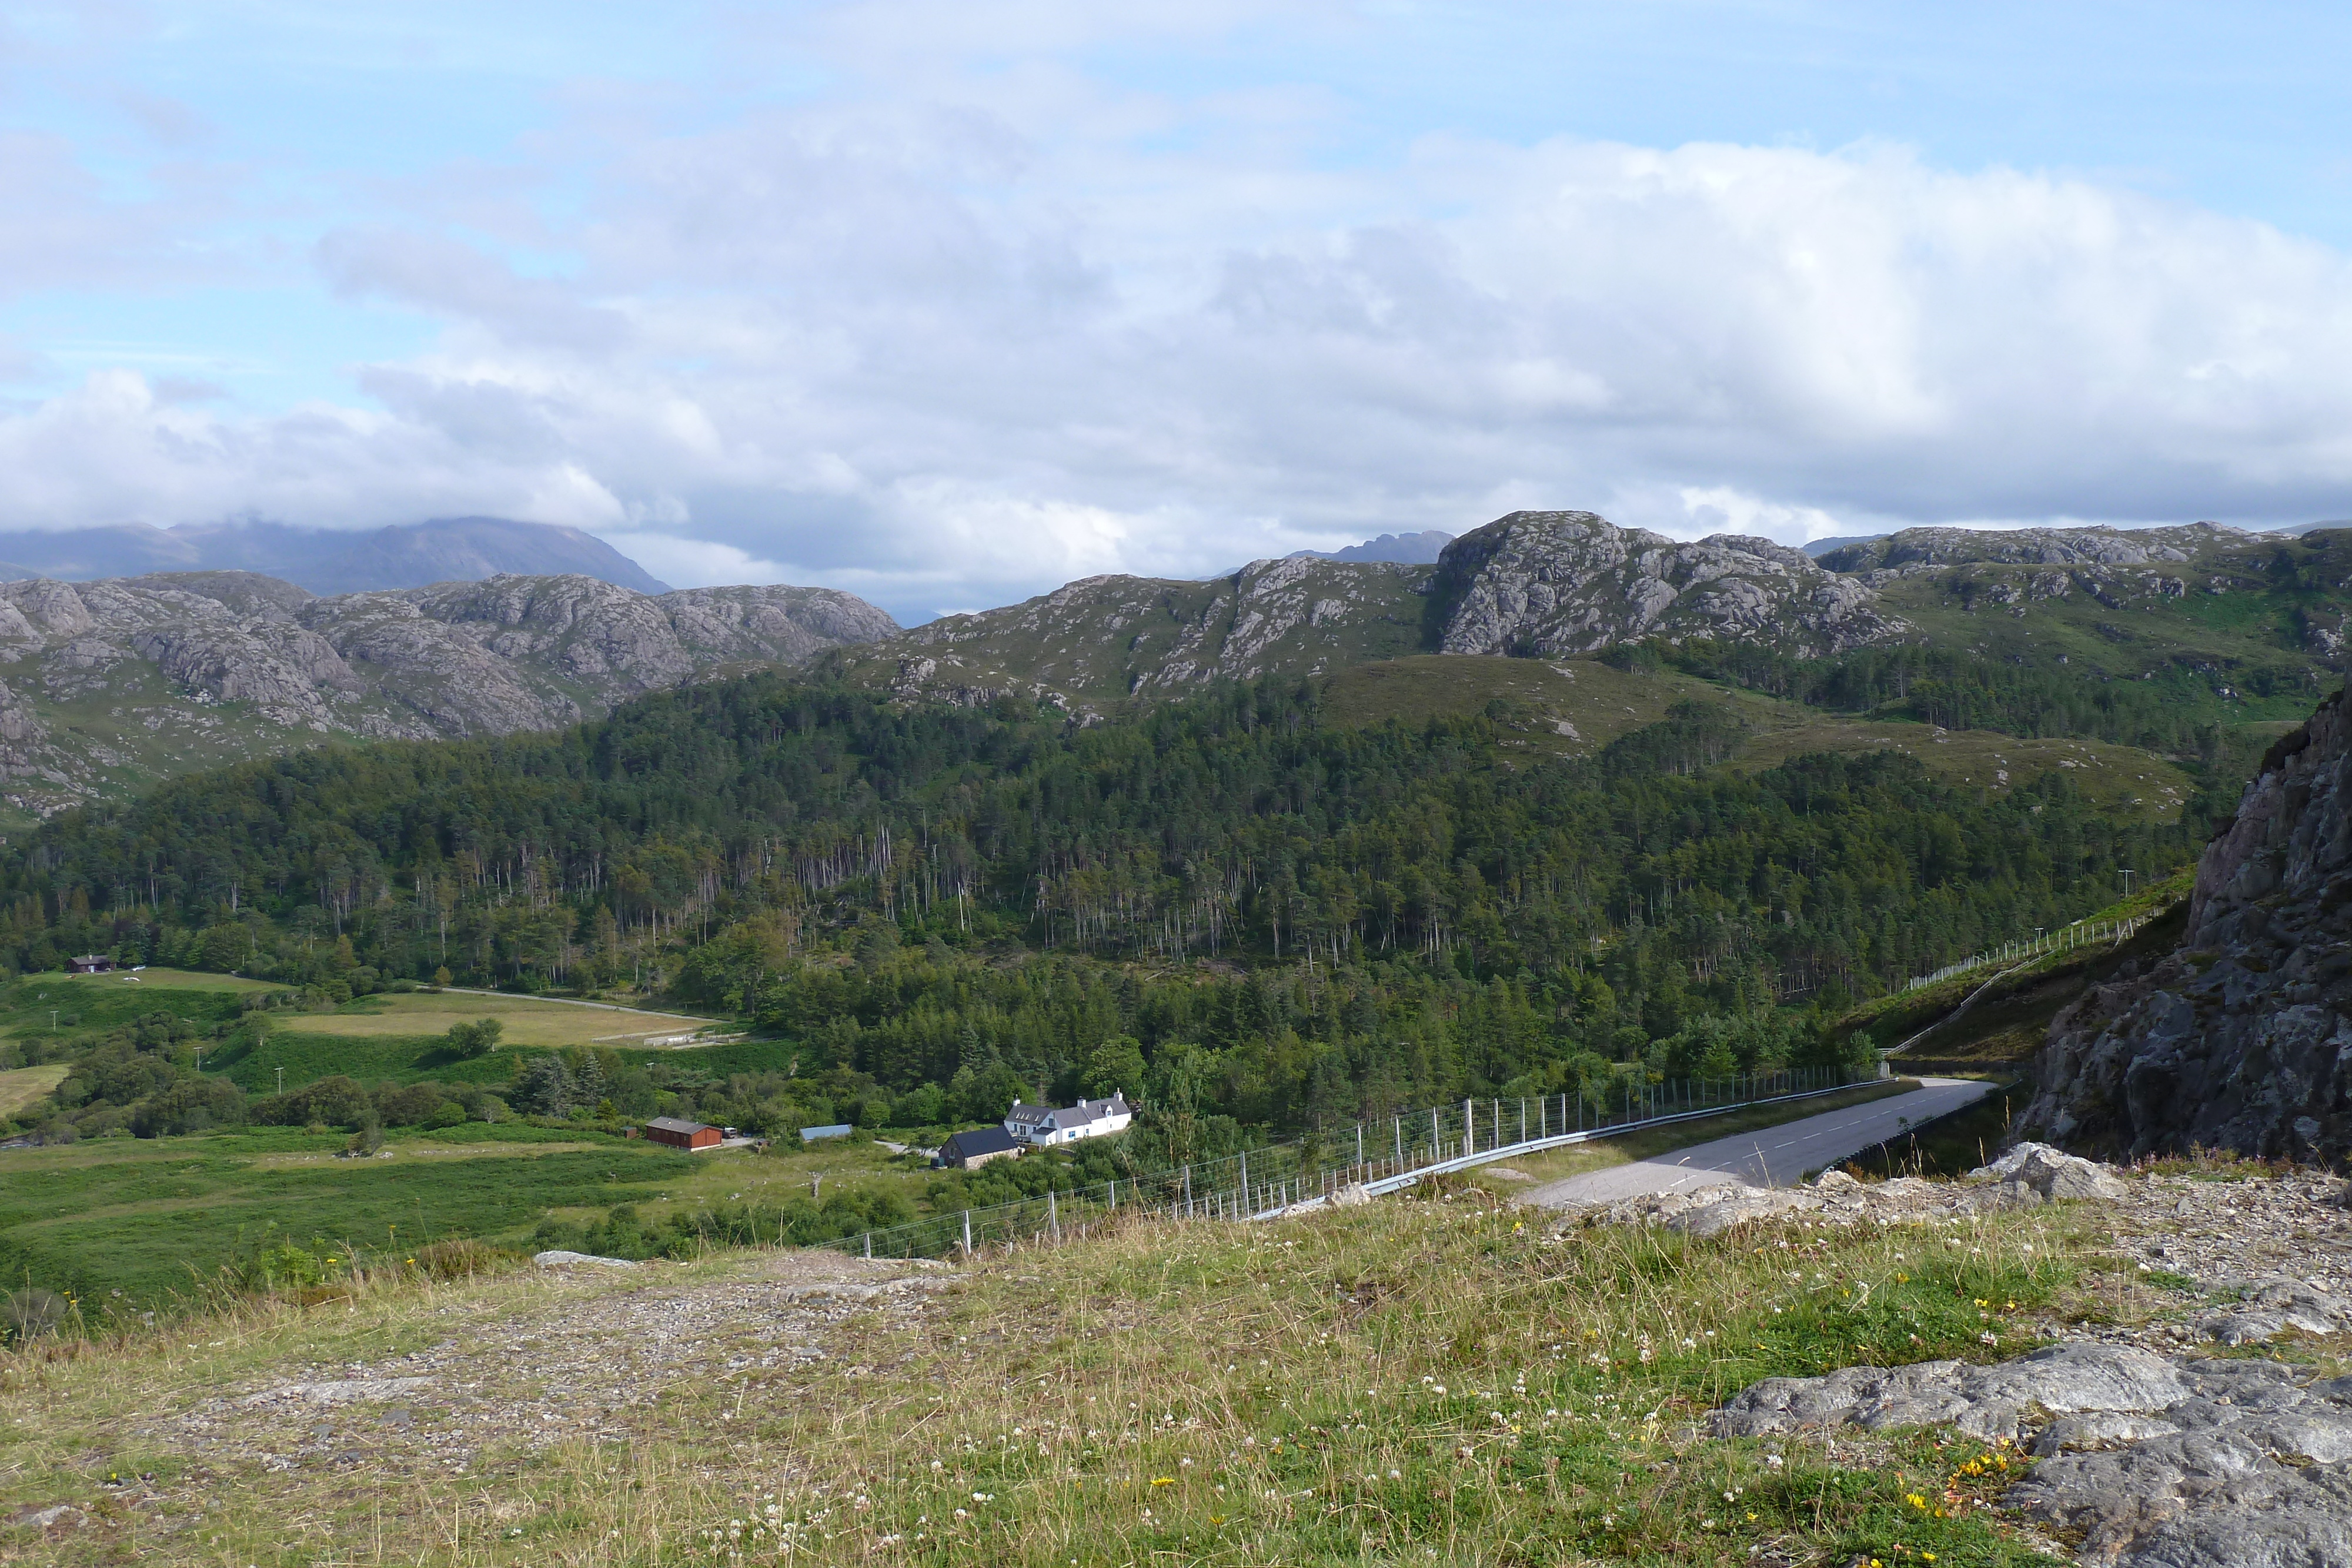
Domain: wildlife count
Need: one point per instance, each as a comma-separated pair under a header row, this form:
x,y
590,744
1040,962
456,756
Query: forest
x,y
1225,901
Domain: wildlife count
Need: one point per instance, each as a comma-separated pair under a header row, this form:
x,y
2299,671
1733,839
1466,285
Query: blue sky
x,y
947,303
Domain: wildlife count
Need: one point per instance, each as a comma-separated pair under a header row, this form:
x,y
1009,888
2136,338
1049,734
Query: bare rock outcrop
x,y
2150,1460
2027,1174
187,668
1555,583
2242,1037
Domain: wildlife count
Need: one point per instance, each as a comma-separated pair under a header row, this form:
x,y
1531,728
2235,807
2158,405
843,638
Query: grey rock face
x,y
2151,1461
2027,547
1105,638
2240,1038
1558,583
211,666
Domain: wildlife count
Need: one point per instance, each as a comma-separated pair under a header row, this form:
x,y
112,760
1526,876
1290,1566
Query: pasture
x,y
155,1218
539,1022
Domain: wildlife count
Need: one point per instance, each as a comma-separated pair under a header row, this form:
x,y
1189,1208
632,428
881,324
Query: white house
x,y
1042,1124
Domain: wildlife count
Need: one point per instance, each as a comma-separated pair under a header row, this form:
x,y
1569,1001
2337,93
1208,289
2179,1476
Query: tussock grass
x,y
1416,1381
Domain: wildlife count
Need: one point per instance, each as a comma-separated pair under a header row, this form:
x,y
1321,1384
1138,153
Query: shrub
x,y
466,1041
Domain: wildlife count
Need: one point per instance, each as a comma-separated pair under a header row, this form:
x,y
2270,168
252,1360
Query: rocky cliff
x,y
113,683
1556,583
2242,1037
1549,583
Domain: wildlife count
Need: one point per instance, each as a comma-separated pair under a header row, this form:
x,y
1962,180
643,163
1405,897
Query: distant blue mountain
x,y
1411,550
326,561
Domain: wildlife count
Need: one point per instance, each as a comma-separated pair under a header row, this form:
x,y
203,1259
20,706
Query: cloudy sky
x,y
948,301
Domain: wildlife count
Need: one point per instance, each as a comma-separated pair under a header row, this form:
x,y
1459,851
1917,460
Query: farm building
x,y
680,1134
1087,1119
969,1151
90,963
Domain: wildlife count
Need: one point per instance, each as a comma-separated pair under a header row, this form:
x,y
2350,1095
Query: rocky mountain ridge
x,y
2229,605
126,676
2240,1038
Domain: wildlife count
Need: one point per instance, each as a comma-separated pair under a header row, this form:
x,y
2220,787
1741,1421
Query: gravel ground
x,y
590,1357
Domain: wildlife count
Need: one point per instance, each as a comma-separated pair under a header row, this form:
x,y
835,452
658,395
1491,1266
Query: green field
x,y
528,1020
308,1054
41,1006
151,1218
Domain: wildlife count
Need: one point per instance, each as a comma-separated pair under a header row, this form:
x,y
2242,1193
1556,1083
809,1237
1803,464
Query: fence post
x,y
869,1244
1433,1133
1052,1214
1399,1147
967,1233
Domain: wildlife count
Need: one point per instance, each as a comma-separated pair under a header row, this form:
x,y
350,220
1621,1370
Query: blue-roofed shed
x,y
818,1134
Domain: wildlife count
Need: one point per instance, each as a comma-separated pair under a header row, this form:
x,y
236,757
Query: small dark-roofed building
x,y
679,1135
90,964
969,1151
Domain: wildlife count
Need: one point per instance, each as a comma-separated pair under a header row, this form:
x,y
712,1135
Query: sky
x,y
946,302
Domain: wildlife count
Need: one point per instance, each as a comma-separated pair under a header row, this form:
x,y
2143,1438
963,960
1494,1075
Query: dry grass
x,y
528,1020
1415,1381
20,1086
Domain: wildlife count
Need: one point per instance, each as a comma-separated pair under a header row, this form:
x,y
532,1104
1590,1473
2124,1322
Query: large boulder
x,y
2149,1462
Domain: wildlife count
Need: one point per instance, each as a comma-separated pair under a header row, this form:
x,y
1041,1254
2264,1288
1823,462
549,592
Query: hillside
x,y
1427,1378
107,687
2235,627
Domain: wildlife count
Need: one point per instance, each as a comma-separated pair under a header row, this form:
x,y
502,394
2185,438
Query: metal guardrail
x,y
1287,1177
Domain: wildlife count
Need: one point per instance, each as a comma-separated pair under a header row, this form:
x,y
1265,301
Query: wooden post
x,y
1400,1143
1469,1126
869,1244
967,1233
1052,1214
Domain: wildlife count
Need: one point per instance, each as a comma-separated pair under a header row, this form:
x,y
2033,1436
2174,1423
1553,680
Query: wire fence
x,y
2082,934
1378,1155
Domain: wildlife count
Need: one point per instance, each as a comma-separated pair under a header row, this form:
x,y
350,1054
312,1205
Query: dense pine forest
x,y
1228,902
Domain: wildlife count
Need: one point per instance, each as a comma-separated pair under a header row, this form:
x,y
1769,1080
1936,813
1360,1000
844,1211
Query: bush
x,y
190,1105
334,1101
468,1040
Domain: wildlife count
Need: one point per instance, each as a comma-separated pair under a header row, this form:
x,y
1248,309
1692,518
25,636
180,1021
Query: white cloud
x,y
960,342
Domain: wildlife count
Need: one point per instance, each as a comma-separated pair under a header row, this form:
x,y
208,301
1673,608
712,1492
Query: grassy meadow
x,y
1419,1381
156,1218
528,1020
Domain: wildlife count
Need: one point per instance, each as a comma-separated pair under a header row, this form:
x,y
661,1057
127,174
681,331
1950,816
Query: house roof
x,y
979,1141
837,1130
672,1124
1020,1113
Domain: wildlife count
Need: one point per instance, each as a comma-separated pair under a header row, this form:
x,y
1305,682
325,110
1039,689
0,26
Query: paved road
x,y
1772,1156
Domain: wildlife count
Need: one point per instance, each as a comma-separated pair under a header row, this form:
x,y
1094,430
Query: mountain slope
x,y
107,686
2243,627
